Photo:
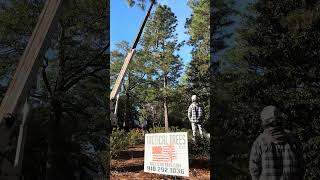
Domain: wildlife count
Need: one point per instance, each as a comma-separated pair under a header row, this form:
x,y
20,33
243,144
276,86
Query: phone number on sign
x,y
165,170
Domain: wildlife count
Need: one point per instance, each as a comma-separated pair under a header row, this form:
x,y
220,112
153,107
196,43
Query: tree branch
x,y
84,67
73,81
75,108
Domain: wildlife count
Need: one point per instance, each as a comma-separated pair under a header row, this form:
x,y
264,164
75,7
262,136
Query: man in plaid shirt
x,y
275,155
195,117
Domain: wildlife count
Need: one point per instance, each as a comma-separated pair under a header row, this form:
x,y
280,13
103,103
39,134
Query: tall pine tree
x,y
277,51
160,45
198,70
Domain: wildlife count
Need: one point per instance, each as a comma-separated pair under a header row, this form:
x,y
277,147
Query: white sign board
x,y
166,153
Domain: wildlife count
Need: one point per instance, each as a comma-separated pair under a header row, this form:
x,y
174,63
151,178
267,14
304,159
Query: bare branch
x,y
84,67
73,81
75,108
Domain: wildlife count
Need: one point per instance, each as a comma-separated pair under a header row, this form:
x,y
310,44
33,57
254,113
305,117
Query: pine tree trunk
x,y
54,140
56,167
166,121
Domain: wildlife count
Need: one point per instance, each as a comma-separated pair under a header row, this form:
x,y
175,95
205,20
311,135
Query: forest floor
x,y
129,165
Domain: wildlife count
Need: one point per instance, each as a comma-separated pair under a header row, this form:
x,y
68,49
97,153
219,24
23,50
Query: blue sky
x,y
125,22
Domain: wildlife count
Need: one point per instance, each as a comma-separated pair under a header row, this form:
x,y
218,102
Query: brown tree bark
x,y
56,167
166,120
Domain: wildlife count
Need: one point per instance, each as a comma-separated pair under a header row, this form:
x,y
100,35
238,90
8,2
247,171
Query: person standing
x,y
275,154
195,117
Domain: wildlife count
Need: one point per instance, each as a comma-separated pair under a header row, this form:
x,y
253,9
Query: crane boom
x,y
15,105
124,68
28,66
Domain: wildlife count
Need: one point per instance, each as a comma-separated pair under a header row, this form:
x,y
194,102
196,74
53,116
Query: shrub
x,y
199,147
135,137
118,142
189,131
157,129
160,129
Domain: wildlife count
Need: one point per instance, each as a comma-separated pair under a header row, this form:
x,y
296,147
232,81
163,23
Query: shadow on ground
x,y
131,168
199,163
126,155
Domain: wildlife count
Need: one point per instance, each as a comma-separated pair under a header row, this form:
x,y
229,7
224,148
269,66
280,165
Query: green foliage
x,y
197,25
274,62
178,108
199,148
135,137
197,72
159,129
159,46
16,25
154,72
76,76
119,141
140,3
105,158
133,94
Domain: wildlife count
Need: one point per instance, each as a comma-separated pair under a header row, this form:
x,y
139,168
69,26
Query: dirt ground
x,y
129,165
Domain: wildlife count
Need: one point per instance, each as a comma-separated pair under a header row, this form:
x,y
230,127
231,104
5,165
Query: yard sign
x,y
166,153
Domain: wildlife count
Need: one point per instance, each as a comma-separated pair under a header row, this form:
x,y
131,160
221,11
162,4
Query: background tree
x,y
274,62
198,70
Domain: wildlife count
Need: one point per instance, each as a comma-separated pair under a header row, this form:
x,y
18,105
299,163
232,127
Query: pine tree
x,y
198,70
160,45
278,49
223,147
285,50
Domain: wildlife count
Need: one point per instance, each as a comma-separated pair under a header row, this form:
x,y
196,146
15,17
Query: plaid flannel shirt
x,y
272,161
194,113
